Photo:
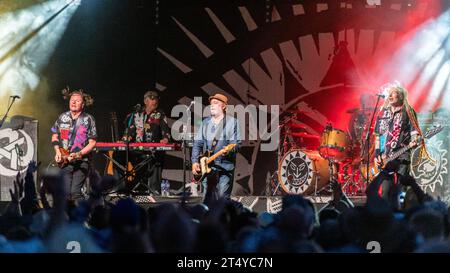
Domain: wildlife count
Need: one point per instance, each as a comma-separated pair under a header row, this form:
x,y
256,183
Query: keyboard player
x,y
148,125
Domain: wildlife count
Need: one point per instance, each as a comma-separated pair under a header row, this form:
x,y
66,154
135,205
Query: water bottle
x,y
165,187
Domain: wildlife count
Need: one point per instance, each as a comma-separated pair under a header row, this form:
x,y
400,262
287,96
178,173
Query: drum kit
x,y
304,168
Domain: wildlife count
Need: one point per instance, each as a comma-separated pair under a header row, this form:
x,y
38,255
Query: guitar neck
x,y
398,153
116,132
216,155
430,133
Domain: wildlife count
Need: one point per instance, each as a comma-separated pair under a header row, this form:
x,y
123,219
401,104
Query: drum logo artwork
x,y
295,172
431,173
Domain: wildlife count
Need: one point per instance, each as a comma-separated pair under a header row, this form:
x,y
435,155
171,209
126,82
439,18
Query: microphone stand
x,y
184,144
127,147
368,140
7,111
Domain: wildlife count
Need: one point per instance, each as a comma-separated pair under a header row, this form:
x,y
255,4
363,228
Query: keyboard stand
x,y
127,175
139,166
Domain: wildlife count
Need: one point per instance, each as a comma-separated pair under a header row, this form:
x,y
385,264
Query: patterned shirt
x,y
65,127
395,131
143,127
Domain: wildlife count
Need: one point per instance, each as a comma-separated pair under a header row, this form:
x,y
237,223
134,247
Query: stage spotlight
x,y
28,38
422,64
73,2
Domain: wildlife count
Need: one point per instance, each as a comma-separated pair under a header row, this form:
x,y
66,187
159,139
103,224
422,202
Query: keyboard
x,y
136,146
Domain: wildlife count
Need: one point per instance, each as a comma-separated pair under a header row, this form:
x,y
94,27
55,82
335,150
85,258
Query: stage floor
x,y
258,204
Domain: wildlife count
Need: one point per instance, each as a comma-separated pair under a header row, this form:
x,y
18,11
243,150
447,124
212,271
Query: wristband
x,y
55,142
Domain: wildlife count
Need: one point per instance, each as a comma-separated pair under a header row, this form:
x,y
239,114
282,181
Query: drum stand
x,y
331,165
271,183
351,182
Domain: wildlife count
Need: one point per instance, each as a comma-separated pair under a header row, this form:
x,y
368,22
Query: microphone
x,y
19,151
137,107
15,97
190,105
381,95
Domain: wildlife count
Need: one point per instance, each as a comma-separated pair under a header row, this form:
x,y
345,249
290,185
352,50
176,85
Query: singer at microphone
x,y
396,127
148,126
219,134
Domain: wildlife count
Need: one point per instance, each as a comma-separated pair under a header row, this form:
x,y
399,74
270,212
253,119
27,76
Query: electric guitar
x,y
109,169
374,169
66,158
206,160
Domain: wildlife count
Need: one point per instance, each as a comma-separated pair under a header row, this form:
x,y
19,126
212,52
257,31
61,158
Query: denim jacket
x,y
228,134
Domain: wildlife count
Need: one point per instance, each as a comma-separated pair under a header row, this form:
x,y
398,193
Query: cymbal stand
x,y
350,182
331,166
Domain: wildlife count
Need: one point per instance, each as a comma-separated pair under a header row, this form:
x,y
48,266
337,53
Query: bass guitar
x,y
374,169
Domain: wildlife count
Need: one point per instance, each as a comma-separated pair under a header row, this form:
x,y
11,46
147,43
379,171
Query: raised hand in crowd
x,y
53,184
30,201
409,181
13,209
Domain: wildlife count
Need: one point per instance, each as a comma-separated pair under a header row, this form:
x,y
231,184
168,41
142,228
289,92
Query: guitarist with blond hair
x,y
219,137
396,128
74,136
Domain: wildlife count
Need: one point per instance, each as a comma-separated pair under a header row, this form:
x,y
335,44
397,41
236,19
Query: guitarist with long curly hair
x,y
219,137
74,136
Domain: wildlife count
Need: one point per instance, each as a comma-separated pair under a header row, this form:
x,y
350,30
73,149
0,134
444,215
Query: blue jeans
x,y
218,184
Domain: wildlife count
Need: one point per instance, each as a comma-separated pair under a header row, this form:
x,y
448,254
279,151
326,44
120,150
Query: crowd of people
x,y
42,220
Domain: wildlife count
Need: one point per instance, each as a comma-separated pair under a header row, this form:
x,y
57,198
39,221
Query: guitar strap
x,y
74,133
218,132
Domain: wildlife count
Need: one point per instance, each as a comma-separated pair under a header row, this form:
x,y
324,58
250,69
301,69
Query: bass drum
x,y
303,172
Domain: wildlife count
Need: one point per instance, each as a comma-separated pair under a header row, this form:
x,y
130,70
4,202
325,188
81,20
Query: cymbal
x,y
303,135
295,111
296,125
358,110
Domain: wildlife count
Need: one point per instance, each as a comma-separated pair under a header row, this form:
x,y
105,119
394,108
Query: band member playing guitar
x,y
73,137
218,135
395,129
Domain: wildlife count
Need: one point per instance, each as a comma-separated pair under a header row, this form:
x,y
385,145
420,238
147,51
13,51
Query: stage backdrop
x,y
315,57
18,146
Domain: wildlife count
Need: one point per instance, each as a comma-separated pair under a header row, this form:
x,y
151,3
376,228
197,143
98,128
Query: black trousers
x,y
154,176
391,188
75,175
148,171
389,182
